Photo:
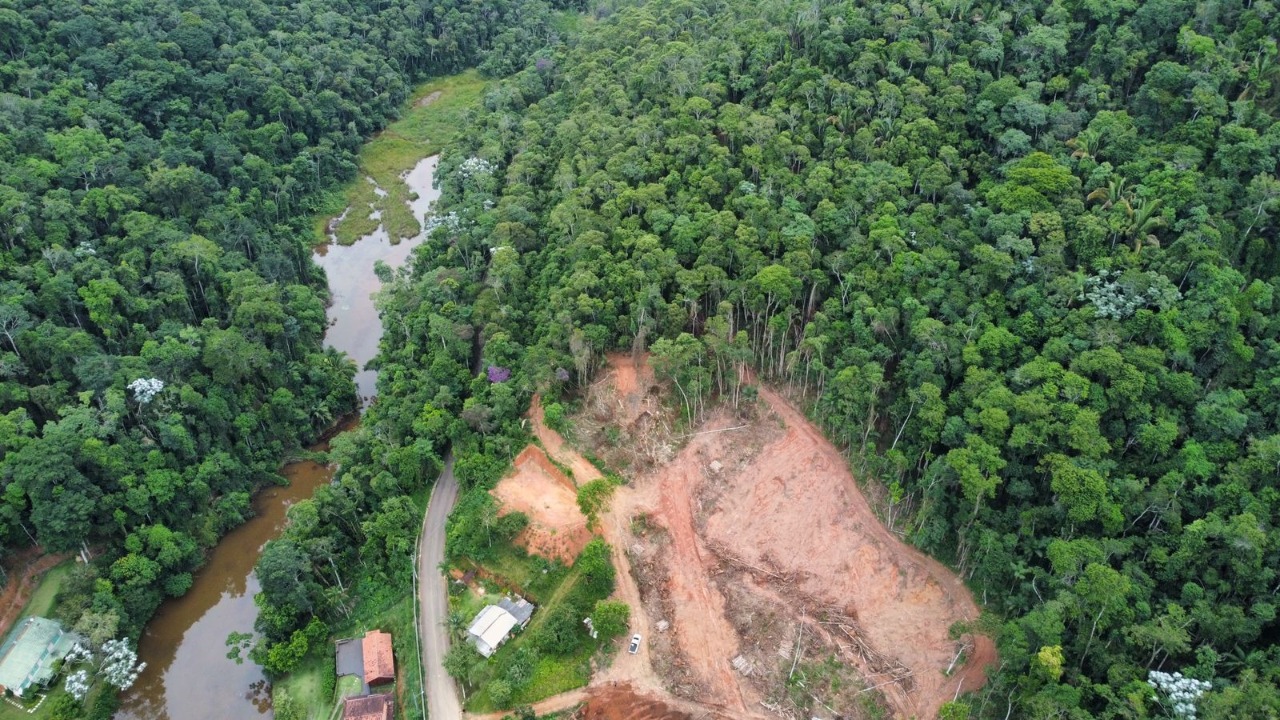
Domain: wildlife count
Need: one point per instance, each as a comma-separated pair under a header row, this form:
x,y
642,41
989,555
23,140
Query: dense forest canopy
x,y
160,317
1020,258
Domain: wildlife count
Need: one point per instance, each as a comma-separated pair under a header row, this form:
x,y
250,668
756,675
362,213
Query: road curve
x,y
442,694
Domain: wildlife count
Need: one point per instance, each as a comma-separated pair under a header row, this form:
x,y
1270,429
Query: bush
x,y
500,692
611,618
561,632
520,669
554,416
62,706
593,497
286,706
597,571
104,705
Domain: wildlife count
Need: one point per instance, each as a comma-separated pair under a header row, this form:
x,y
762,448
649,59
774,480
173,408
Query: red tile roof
x,y
379,663
368,707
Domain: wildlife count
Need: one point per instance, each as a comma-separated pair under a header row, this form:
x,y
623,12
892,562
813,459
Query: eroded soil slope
x,y
537,488
757,551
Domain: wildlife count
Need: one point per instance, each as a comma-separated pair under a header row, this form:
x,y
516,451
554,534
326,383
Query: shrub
x,y
554,416
500,692
611,618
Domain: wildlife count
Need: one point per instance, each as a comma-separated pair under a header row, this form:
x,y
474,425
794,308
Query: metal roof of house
x,y
490,628
520,609
28,655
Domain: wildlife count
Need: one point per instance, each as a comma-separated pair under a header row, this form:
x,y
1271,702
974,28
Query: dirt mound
x,y
537,488
622,703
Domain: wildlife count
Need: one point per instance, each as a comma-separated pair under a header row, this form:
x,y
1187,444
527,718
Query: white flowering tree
x,y
117,665
145,389
474,167
78,684
1180,693
120,666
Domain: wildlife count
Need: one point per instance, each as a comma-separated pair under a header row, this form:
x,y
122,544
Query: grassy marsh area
x,y
433,117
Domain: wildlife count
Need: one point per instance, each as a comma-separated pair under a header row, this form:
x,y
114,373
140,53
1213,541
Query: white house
x,y
495,622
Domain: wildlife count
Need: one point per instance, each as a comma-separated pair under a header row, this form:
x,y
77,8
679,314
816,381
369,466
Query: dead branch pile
x,y
875,661
767,571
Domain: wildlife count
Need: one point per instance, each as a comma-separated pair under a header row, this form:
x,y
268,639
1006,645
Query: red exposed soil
x,y
785,500
582,469
537,488
622,703
775,503
797,508
24,569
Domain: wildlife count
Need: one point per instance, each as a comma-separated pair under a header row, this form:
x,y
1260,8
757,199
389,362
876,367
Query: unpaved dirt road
x,y
442,694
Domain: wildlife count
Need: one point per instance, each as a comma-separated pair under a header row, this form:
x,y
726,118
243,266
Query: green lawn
x,y
311,685
41,602
422,131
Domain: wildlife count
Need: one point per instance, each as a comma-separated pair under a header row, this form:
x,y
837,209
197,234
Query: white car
x,y
635,644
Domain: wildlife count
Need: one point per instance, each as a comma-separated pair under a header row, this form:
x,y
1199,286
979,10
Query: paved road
x,y
442,694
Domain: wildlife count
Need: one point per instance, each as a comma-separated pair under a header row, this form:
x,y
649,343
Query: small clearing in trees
x,y
557,528
22,575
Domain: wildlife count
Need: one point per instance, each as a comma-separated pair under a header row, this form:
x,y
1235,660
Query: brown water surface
x,y
353,319
188,674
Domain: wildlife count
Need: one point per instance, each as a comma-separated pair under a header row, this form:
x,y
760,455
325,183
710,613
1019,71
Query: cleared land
x,y
32,581
557,528
768,588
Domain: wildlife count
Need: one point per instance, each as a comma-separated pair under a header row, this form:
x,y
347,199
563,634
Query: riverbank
x,y
431,119
394,182
190,674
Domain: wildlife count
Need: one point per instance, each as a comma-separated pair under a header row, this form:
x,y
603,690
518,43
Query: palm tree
x,y
457,623
1116,193
1086,145
1143,223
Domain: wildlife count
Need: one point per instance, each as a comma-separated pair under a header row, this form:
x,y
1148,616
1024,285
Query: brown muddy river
x,y
188,675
